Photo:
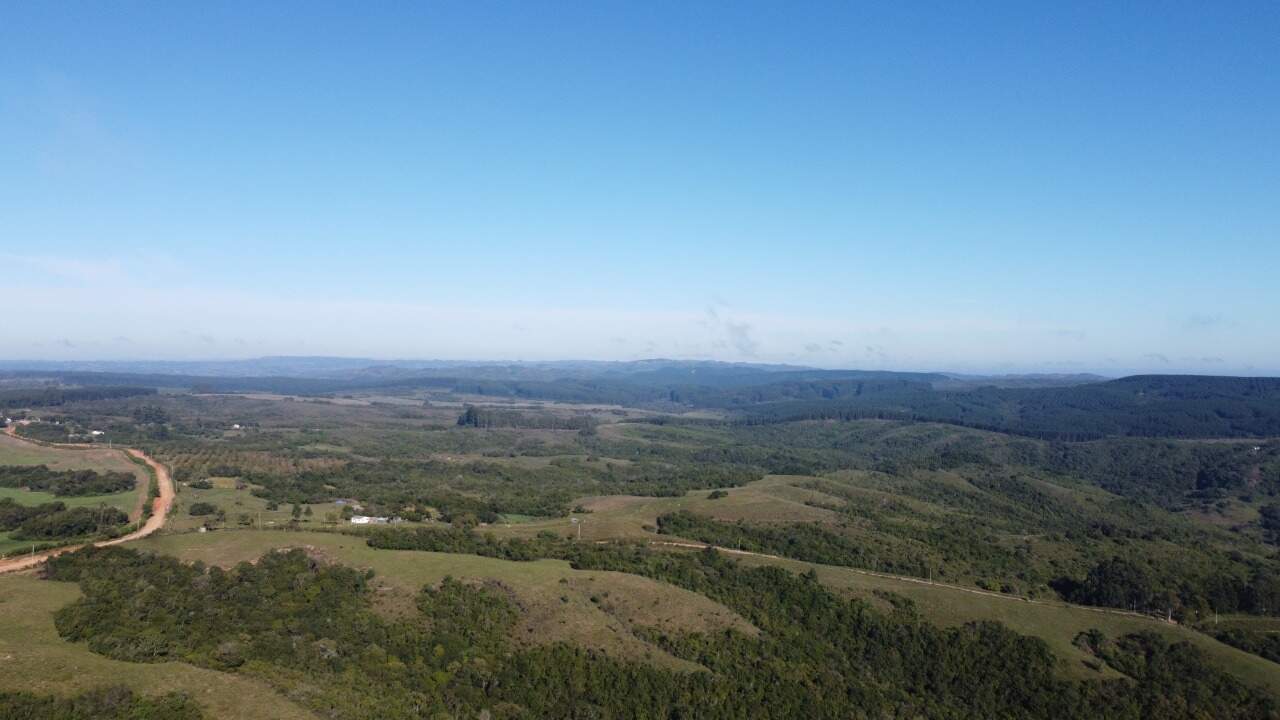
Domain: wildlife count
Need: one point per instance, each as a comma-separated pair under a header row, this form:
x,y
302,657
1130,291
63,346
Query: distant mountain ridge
x,y
332,367
1140,405
1067,407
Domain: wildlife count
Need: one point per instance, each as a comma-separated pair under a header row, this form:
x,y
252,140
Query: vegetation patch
x,y
39,662
65,482
55,521
107,703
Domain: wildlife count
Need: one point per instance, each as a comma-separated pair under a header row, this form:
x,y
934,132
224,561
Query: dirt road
x,y
159,511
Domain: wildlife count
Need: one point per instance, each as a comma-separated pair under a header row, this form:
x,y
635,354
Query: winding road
x,y
159,509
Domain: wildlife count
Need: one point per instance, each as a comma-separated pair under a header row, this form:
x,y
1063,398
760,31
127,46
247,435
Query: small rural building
x,y
367,520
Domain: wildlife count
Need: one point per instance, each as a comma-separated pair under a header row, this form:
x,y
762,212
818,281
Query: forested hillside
x,y
308,628
1149,406
52,396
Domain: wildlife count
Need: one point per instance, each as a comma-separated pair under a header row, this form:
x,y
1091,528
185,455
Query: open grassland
x,y
585,608
1056,624
33,658
19,452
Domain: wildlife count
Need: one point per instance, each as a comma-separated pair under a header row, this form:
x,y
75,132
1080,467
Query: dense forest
x,y
1128,583
55,521
1148,406
820,655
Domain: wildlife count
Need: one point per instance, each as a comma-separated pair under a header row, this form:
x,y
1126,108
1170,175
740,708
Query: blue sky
x,y
1015,188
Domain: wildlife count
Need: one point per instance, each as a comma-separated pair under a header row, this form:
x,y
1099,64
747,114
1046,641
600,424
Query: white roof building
x,y
367,520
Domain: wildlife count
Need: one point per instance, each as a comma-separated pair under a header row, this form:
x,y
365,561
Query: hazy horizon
x,y
193,365
1022,189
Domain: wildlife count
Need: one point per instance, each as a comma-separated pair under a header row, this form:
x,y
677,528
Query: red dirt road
x,y
159,512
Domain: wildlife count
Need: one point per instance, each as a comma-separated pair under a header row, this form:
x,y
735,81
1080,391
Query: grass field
x,y
18,452
586,608
611,517
8,545
35,659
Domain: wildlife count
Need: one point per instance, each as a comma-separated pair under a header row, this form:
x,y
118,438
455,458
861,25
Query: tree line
x,y
53,396
112,702
488,417
65,483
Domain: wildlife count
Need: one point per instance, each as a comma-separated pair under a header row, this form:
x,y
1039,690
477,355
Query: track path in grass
x,y
919,581
159,508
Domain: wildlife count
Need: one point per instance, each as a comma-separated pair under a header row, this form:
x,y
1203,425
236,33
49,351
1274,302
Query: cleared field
x,y
35,659
611,517
585,608
238,503
1057,625
19,452
124,500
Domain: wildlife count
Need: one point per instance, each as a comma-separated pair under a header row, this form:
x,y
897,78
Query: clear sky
x,y
1029,187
